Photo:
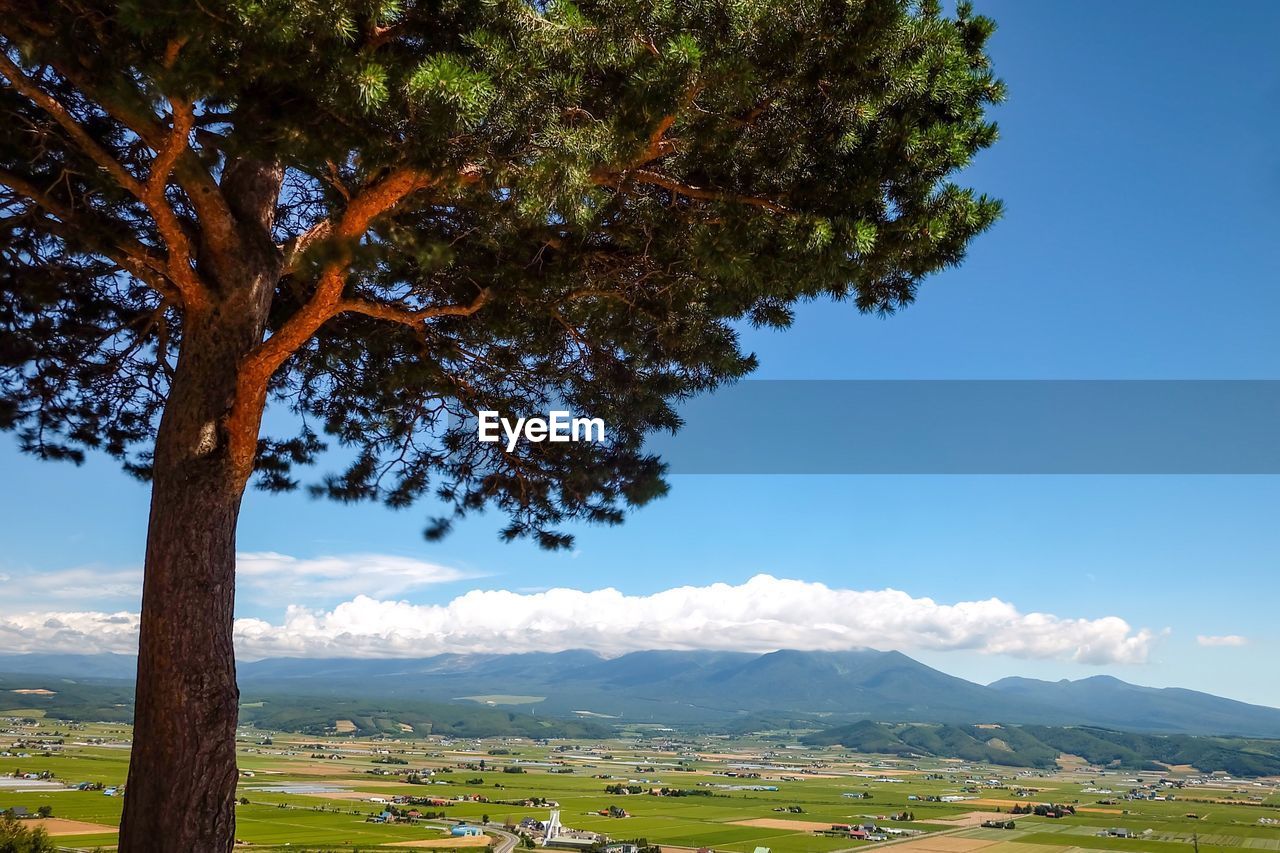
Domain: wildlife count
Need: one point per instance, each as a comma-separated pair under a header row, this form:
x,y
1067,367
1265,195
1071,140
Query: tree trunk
x,y
182,774
180,794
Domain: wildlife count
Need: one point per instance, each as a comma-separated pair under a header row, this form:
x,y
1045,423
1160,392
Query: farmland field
x,y
728,794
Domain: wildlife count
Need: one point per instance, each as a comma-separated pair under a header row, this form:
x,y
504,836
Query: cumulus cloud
x,y
1222,640
762,614
69,632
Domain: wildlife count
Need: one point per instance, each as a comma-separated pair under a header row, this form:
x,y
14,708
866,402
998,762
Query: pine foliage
x,y
606,191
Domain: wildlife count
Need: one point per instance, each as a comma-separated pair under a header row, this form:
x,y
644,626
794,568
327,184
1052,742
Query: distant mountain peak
x,y
787,688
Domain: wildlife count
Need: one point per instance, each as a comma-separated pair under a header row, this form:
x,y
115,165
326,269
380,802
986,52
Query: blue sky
x,y
1140,171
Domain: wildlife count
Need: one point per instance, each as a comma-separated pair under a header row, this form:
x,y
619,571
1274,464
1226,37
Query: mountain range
x,y
730,691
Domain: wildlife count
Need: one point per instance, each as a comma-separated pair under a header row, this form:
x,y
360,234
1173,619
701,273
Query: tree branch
x,y
412,317
652,178
374,200
380,35
295,248
130,255
151,193
659,146
171,230
217,223
25,86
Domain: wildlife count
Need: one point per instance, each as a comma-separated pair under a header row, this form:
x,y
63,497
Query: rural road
x,y
506,841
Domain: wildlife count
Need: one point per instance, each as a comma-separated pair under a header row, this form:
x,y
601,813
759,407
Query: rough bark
x,y
180,793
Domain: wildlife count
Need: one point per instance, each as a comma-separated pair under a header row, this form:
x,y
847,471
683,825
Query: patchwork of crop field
x,y
735,794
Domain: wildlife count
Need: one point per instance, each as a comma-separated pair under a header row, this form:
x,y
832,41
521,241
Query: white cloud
x,y
69,632
90,582
1223,640
280,578
763,614
261,577
75,587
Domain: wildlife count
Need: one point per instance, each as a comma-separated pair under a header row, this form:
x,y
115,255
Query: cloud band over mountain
x,y
762,614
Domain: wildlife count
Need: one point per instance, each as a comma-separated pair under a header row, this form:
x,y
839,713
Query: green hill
x,y
111,700
1040,746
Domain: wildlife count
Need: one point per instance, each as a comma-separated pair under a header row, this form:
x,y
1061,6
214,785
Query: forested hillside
x,y
1040,746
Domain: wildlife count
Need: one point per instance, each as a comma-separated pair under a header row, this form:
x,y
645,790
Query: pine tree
x,y
386,215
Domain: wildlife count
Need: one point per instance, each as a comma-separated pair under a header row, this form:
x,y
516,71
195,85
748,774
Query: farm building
x,y
556,835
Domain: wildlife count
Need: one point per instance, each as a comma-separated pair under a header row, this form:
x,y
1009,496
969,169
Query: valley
x,y
642,786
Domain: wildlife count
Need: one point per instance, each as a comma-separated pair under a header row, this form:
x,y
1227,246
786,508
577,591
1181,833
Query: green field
x,y
811,782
